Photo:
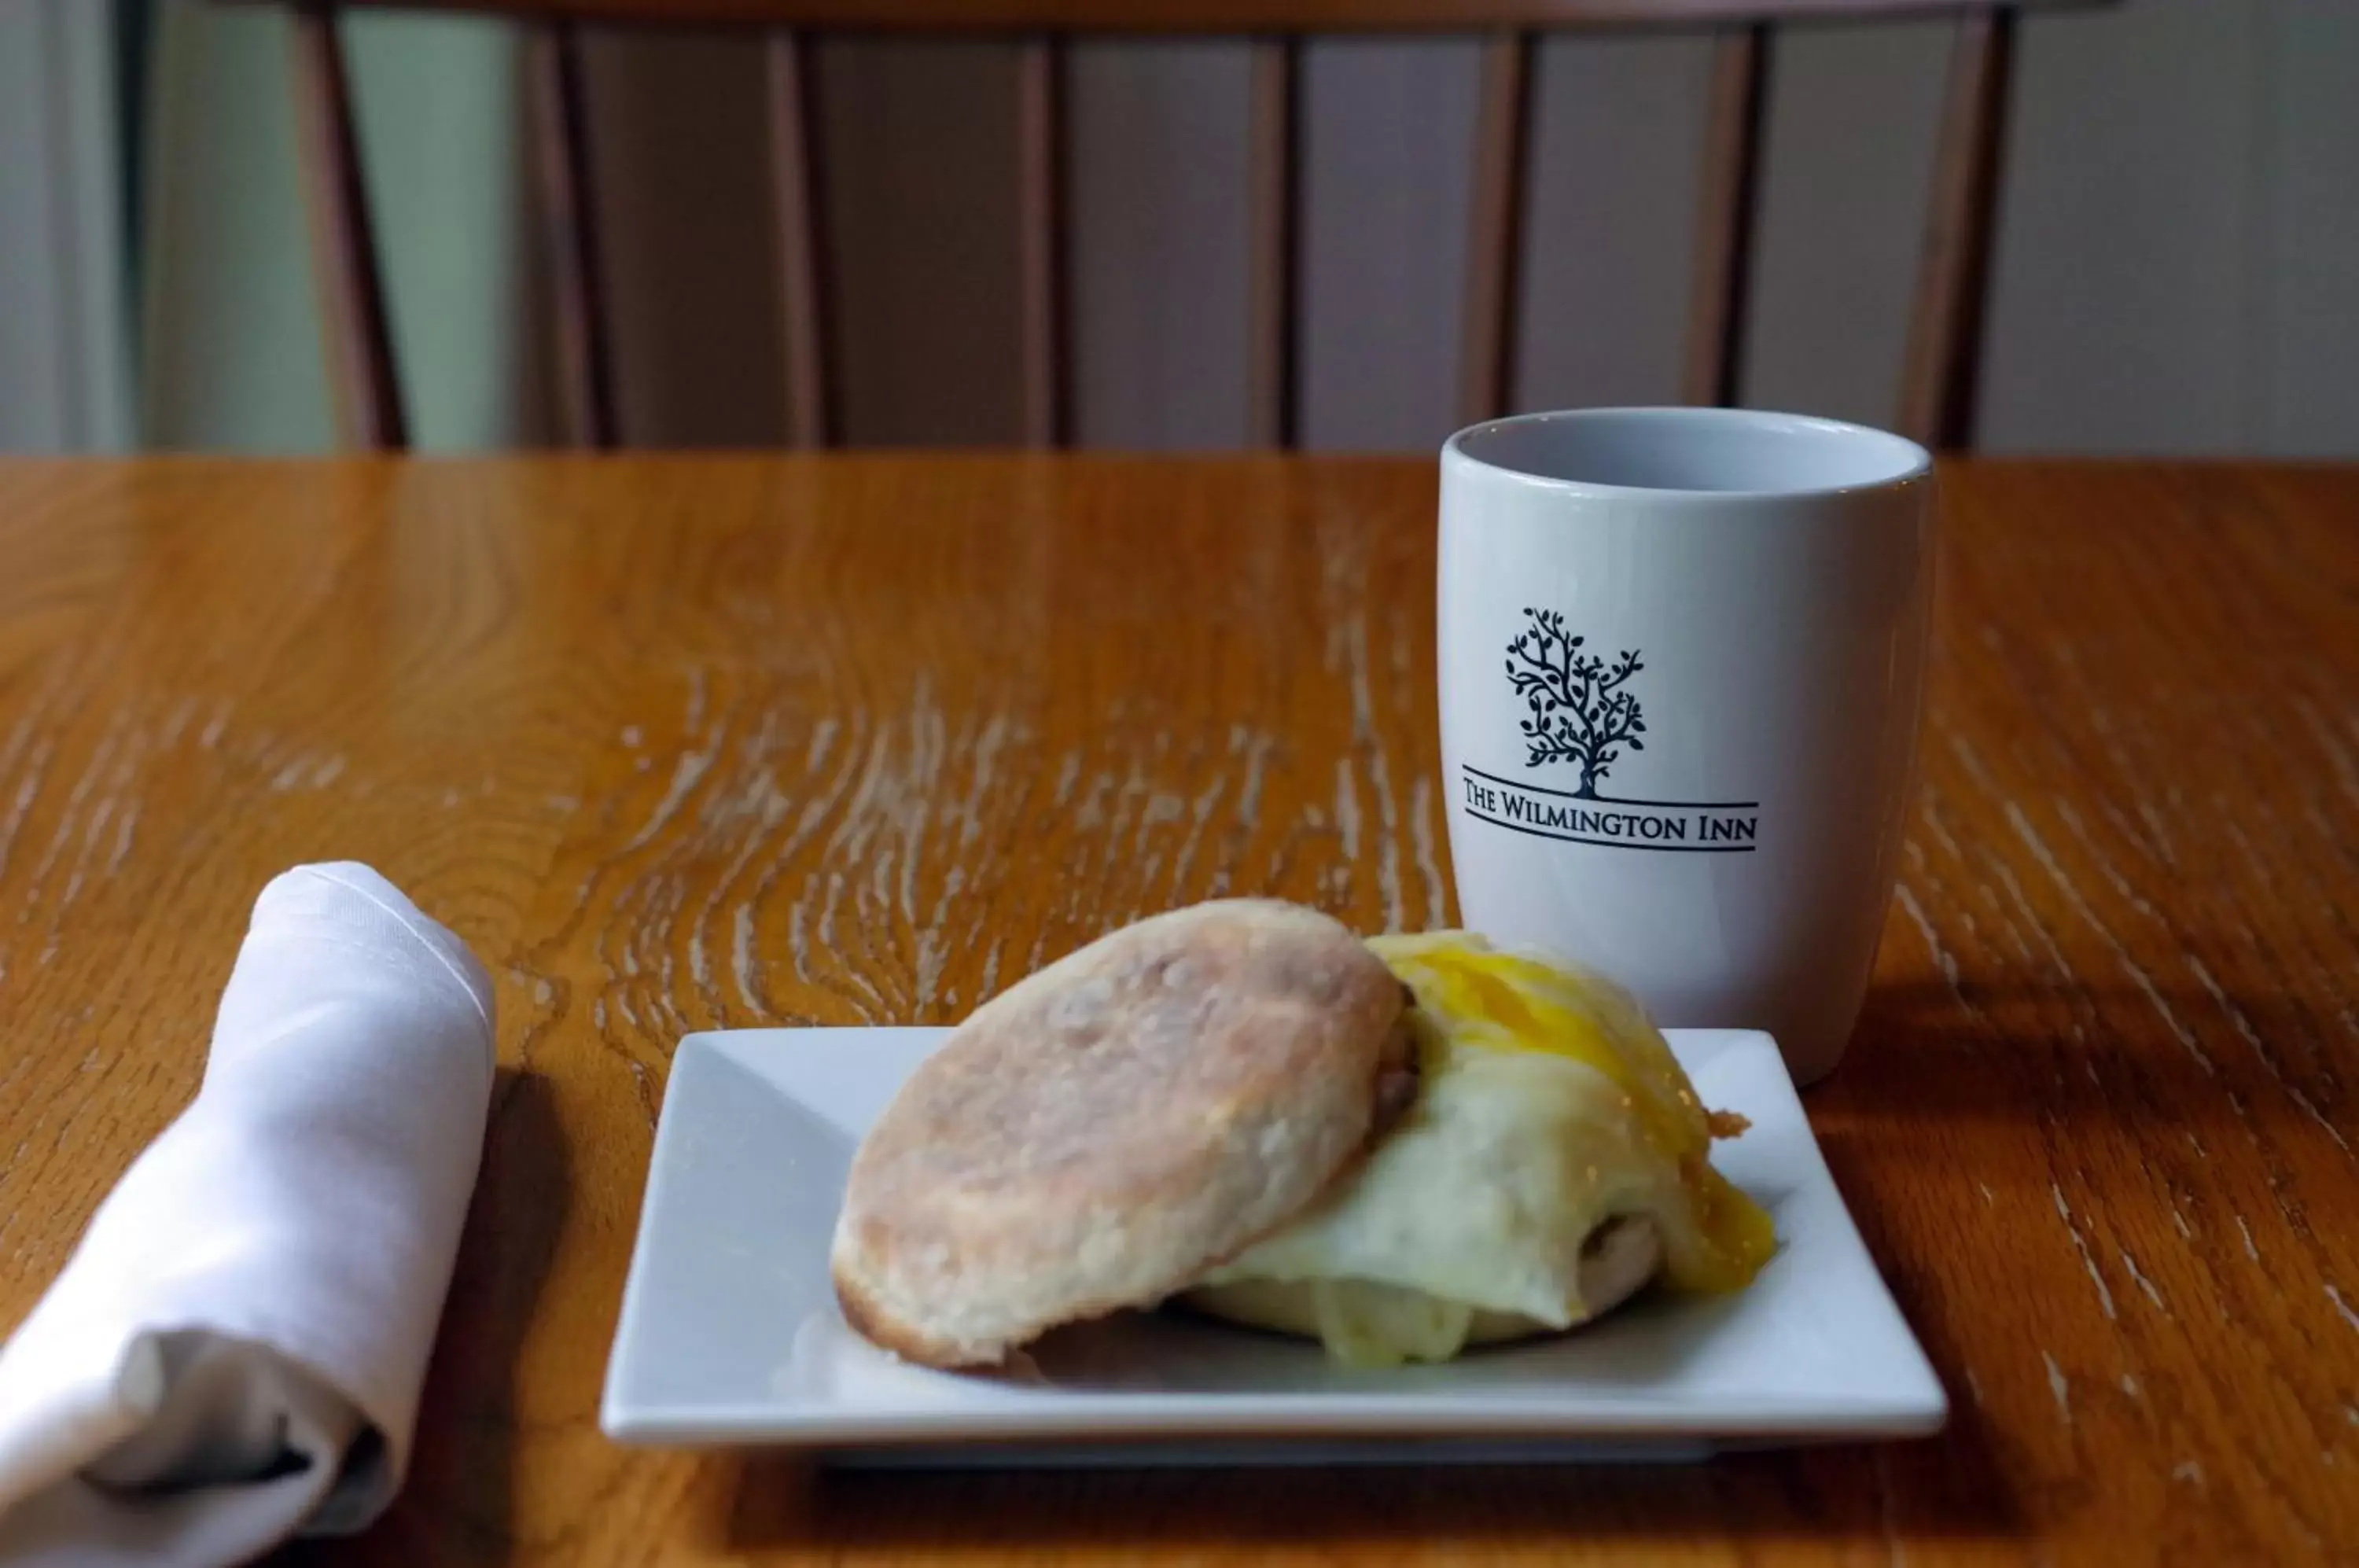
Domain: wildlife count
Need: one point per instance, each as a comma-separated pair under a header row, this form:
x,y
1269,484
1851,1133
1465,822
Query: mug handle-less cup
x,y
1681,663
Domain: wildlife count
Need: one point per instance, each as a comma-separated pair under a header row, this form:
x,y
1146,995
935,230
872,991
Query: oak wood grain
x,y
684,742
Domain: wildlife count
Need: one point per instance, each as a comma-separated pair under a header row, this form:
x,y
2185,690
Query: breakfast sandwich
x,y
1400,1146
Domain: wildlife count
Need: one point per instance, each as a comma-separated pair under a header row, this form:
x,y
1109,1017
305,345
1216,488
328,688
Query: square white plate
x,y
730,1333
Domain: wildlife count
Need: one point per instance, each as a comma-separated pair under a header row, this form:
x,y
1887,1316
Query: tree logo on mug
x,y
1581,710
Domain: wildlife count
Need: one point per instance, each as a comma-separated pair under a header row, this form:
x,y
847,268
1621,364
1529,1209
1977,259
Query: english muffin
x,y
1400,1148
1098,1135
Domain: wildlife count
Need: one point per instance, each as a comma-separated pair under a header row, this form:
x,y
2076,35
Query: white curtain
x,y
65,346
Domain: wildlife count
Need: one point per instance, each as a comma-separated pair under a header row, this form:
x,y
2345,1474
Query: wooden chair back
x,y
1938,381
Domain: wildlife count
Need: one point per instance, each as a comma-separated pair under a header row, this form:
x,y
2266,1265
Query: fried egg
x,y
1553,1137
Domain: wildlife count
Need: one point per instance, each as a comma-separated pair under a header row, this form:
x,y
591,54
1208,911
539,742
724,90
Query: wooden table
x,y
685,744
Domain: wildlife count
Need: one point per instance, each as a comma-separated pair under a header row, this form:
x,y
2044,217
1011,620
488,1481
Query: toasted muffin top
x,y
1095,1136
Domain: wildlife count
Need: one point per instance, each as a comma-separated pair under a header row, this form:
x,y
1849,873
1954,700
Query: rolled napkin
x,y
233,1352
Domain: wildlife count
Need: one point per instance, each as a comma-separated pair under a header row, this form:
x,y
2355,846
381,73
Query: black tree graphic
x,y
1580,713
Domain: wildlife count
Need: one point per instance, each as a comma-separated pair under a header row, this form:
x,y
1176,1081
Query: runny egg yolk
x,y
1473,997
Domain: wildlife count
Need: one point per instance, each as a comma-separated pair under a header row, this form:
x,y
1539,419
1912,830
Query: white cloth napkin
x,y
233,1353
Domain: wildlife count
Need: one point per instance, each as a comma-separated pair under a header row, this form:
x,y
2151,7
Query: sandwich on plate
x,y
1400,1147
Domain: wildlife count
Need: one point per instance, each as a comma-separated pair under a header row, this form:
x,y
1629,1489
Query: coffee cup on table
x,y
1681,665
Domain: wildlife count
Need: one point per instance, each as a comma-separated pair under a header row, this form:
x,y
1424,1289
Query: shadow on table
x,y
457,1503
1946,1487
2074,1056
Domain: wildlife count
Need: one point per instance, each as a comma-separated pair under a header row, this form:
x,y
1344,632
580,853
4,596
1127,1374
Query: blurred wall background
x,y
2177,266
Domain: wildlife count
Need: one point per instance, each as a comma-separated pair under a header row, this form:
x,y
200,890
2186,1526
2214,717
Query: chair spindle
x,y
1723,236
1941,371
361,379
1495,240
798,175
1273,155
1040,219
568,218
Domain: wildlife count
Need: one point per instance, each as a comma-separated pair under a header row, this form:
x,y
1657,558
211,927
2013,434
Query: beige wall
x,y
2176,270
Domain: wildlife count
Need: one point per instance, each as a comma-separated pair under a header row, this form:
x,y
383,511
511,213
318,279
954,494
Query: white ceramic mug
x,y
1682,659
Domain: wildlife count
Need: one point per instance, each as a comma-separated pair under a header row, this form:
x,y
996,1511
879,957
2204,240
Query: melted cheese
x,y
1547,1105
1475,996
